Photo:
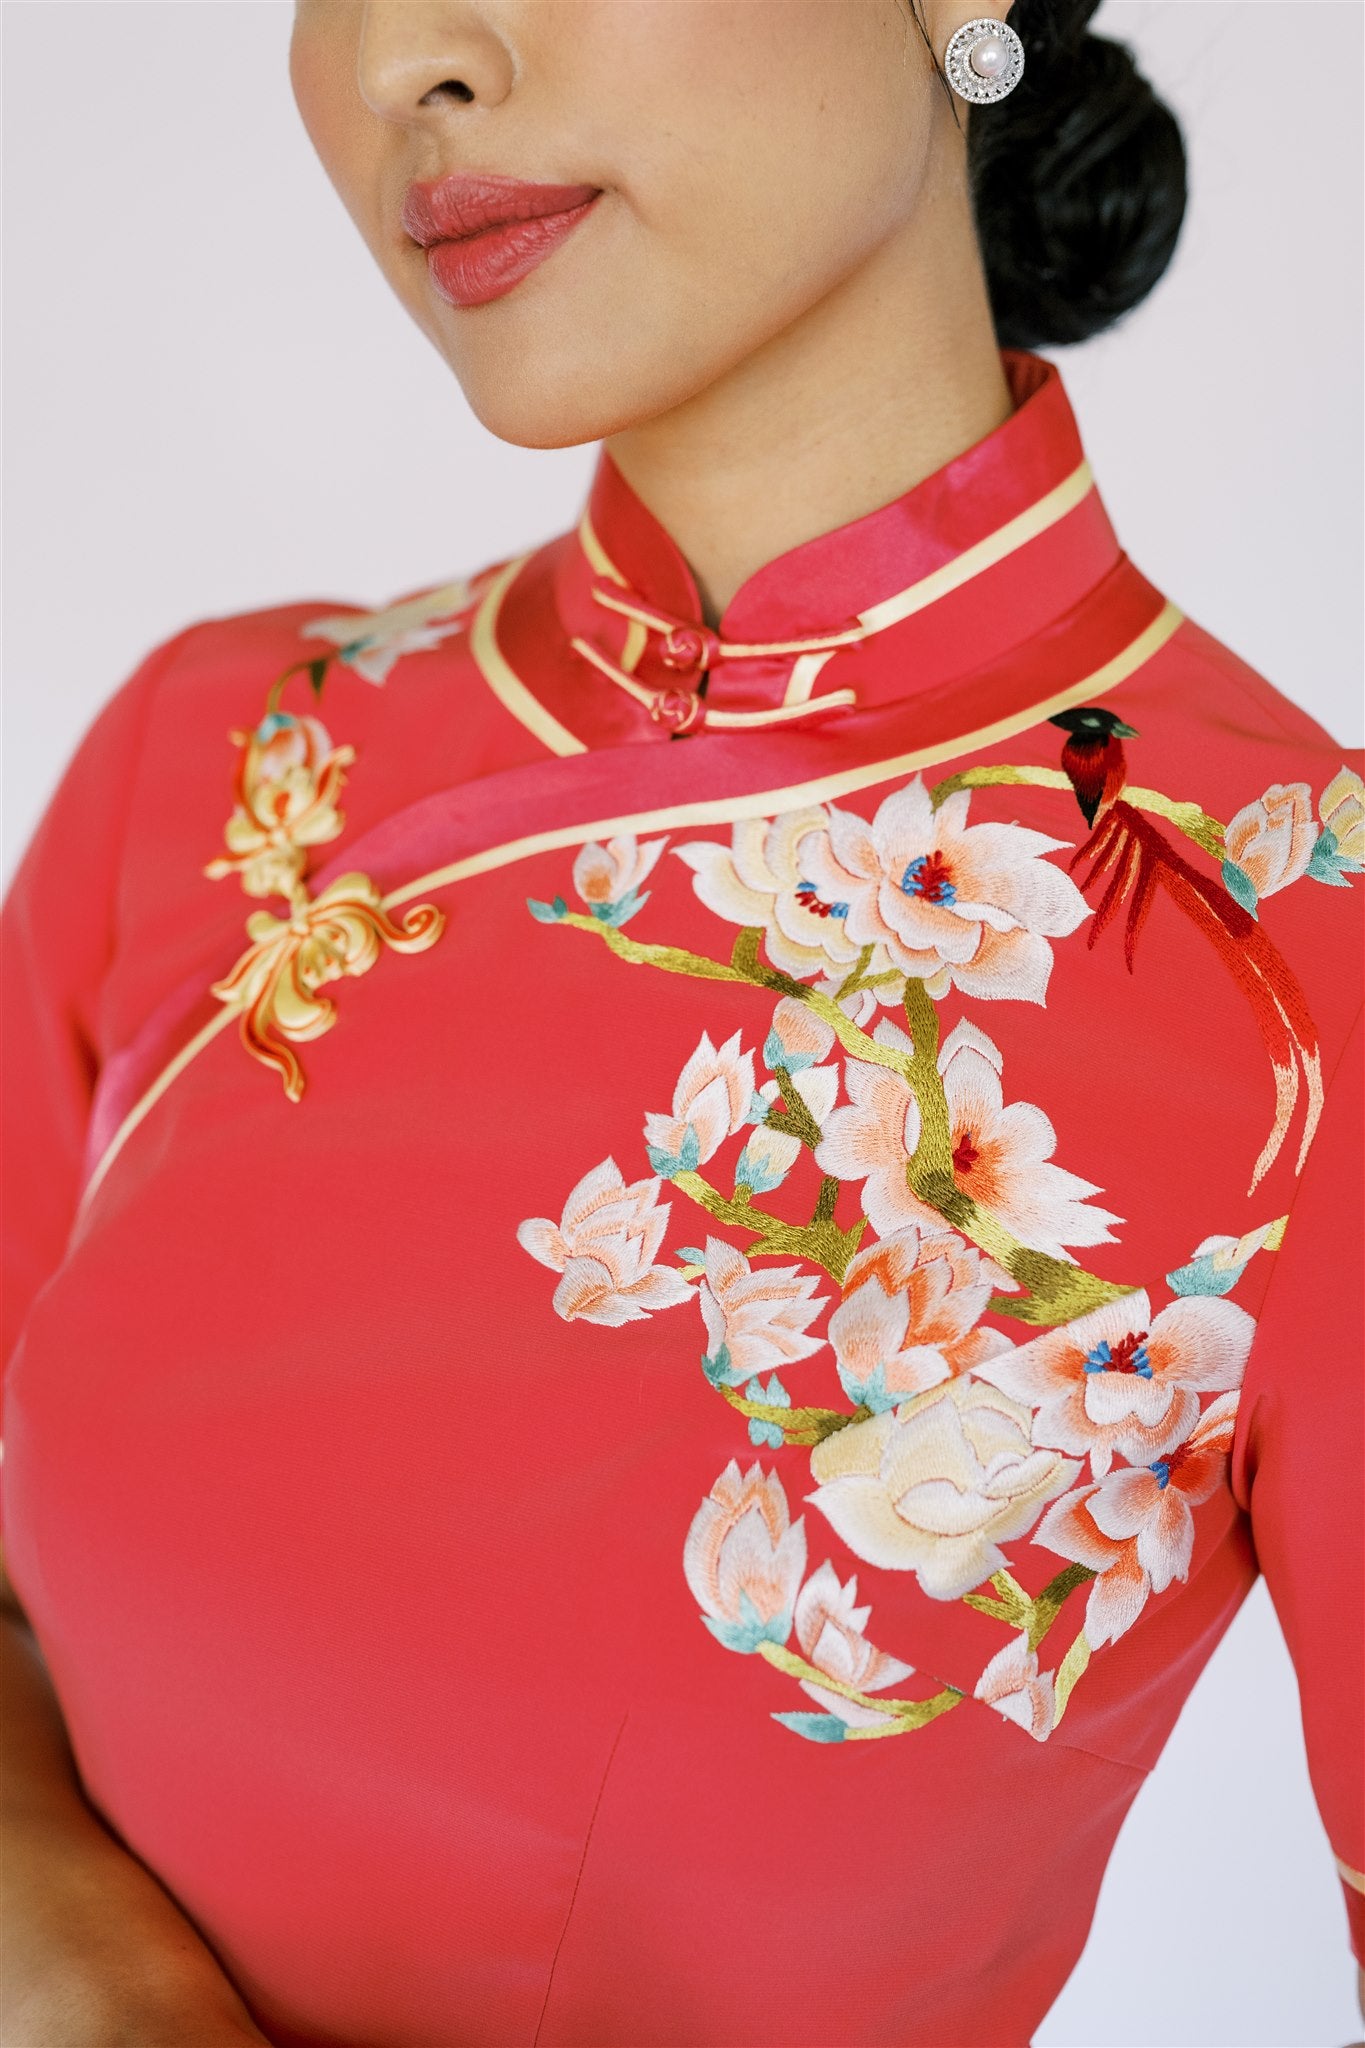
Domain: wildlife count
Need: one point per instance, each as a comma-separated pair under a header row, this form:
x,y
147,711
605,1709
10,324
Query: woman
x,y
813,922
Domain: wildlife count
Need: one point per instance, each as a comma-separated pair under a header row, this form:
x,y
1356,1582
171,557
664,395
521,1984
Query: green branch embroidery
x,y
1189,818
1057,1290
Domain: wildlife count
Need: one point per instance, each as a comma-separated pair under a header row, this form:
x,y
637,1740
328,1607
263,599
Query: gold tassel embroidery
x,y
275,984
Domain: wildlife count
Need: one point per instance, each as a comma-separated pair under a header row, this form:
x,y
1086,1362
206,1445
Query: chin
x,y
529,410
538,394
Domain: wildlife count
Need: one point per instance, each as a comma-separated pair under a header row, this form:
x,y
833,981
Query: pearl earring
x,y
984,61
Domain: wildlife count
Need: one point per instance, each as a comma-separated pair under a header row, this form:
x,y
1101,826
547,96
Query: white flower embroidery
x,y
371,642
604,1246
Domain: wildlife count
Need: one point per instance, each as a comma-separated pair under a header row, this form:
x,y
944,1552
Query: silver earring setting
x,y
984,61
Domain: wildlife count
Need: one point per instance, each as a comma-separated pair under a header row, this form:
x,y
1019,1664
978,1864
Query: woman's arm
x,y
97,1954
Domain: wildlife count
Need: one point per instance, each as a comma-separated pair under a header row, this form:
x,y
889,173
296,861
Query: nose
x,y
418,57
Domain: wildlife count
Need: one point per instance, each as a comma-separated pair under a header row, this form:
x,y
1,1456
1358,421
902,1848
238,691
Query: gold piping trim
x,y
637,639
710,811
780,714
1016,533
731,650
775,714
1035,519
637,632
608,669
1354,1878
510,691
596,553
762,803
154,1093
801,681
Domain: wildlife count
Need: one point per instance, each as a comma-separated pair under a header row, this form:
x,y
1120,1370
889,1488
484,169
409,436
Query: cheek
x,y
322,75
771,130
763,149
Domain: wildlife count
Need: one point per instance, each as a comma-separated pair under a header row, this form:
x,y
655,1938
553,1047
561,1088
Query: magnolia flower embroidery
x,y
744,1559
1123,1380
276,981
938,1484
797,1038
755,1320
757,880
909,1316
604,1247
609,878
1002,1152
1135,1529
1016,1688
829,1629
1218,1262
769,1152
288,777
945,901
1342,811
714,1097
1270,842
371,642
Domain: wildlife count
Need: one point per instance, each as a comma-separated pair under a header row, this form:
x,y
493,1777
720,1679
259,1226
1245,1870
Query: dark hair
x,y
1078,181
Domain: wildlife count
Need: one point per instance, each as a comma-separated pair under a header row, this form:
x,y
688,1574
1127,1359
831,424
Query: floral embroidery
x,y
754,1321
1218,1263
289,776
910,1316
1272,842
948,902
608,877
829,1628
1002,1154
1123,1380
938,1485
757,881
1094,1432
604,1247
1342,811
1016,1688
1135,1529
744,1559
275,984
714,1097
371,642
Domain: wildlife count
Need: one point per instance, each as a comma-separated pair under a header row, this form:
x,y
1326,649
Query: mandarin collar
x,y
973,560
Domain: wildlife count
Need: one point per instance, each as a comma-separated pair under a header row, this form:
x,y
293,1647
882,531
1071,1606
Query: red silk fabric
x,y
359,1566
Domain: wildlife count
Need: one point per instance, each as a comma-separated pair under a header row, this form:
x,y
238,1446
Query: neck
x,y
886,379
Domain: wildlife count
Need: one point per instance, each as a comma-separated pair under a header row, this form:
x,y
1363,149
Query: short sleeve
x,y
57,936
1298,1460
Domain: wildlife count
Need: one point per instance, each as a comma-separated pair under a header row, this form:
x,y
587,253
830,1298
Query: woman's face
x,y
751,157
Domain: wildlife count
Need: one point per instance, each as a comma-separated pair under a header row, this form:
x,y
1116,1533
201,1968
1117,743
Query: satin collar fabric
x,y
972,562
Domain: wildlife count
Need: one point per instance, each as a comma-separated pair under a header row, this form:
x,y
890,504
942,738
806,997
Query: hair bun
x,y
1078,182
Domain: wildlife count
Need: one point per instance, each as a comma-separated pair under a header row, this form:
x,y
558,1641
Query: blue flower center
x,y
1163,1472
928,876
1129,1355
808,899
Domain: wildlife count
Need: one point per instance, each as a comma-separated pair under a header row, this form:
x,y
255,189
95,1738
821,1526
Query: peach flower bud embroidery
x,y
1270,843
609,878
744,1559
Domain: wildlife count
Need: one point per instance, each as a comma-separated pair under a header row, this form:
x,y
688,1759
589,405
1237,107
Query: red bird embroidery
x,y
1142,861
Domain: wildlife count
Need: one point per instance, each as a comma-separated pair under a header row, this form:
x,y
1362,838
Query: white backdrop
x,y
204,420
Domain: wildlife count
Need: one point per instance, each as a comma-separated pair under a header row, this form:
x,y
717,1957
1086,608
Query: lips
x,y
482,235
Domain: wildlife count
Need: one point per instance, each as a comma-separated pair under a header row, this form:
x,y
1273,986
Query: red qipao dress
x,y
662,1307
